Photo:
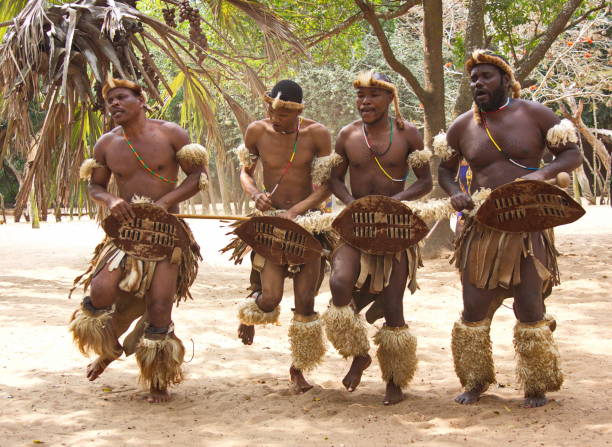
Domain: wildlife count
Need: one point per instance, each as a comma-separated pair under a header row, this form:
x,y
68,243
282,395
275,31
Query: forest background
x,y
206,63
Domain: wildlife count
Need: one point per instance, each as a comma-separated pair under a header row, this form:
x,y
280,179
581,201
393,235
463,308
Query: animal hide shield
x,y
152,235
526,206
379,225
279,240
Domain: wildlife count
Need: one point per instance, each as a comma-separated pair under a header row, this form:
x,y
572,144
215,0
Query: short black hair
x,y
289,91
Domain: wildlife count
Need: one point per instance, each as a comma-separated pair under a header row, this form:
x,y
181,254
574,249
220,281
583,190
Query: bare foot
x,y
97,367
156,396
353,378
393,394
246,333
534,401
470,396
299,382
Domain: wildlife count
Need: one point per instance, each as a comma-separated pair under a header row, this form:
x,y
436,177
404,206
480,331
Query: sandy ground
x,y
238,396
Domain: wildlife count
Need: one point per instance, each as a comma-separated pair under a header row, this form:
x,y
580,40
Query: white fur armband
x,y
562,133
245,158
193,154
87,167
322,166
420,158
441,147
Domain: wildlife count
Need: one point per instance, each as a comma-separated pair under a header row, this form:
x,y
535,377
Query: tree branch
x,y
529,62
371,17
580,19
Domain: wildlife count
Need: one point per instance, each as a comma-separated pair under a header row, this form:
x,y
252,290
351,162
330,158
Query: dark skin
x,y
272,140
520,130
367,179
157,143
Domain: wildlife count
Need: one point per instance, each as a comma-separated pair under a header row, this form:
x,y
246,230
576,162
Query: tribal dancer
x,y
295,154
143,156
503,138
378,152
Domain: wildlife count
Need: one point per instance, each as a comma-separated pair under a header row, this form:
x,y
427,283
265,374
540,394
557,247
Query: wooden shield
x,y
379,225
151,236
528,205
279,240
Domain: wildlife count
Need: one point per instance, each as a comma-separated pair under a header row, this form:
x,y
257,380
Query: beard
x,y
496,99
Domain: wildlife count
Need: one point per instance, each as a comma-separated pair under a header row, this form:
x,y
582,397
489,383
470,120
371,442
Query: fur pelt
x,y
436,209
441,147
538,362
94,332
473,354
346,331
420,158
396,354
141,199
87,167
160,360
562,133
245,158
278,103
193,154
250,314
322,167
306,339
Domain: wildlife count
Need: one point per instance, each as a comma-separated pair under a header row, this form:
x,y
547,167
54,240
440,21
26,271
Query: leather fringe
x,y
160,361
346,331
306,339
249,313
396,354
379,268
538,361
473,354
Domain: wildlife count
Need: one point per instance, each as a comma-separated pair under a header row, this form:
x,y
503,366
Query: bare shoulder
x,y
412,136
541,114
257,127
313,127
350,128
409,129
458,126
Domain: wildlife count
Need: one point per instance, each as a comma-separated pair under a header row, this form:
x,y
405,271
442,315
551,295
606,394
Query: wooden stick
x,y
205,216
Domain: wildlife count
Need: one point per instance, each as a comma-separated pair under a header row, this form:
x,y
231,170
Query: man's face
x,y
124,104
489,86
373,103
283,120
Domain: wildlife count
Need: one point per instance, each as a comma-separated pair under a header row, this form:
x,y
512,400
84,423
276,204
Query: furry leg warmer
x,y
92,331
396,354
346,331
160,356
306,338
473,354
537,366
249,313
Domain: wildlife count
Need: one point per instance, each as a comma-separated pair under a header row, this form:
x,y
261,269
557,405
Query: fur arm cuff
x,y
86,169
441,147
437,209
562,133
322,166
245,158
193,154
420,158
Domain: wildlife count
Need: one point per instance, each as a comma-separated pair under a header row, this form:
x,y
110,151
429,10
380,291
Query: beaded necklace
x,y
484,122
146,166
376,155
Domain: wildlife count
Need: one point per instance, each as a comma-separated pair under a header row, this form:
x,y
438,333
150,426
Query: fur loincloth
x,y
494,257
137,274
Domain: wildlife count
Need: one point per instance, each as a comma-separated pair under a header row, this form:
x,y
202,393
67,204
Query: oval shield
x,y
379,225
151,236
528,205
279,240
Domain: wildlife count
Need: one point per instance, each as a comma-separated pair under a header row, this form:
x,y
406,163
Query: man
x,y
377,151
294,153
143,156
503,139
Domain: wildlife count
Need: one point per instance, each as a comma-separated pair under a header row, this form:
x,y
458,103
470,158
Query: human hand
x,y
121,210
162,204
534,175
461,201
289,214
262,201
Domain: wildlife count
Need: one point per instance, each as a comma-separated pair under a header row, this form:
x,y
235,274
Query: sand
x,y
240,396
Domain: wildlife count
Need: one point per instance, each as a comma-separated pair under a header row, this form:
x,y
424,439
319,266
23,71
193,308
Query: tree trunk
x,y
474,38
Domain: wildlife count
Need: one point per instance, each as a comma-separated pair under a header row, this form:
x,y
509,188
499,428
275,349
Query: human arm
x,y
192,160
248,163
337,183
423,183
561,140
447,172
